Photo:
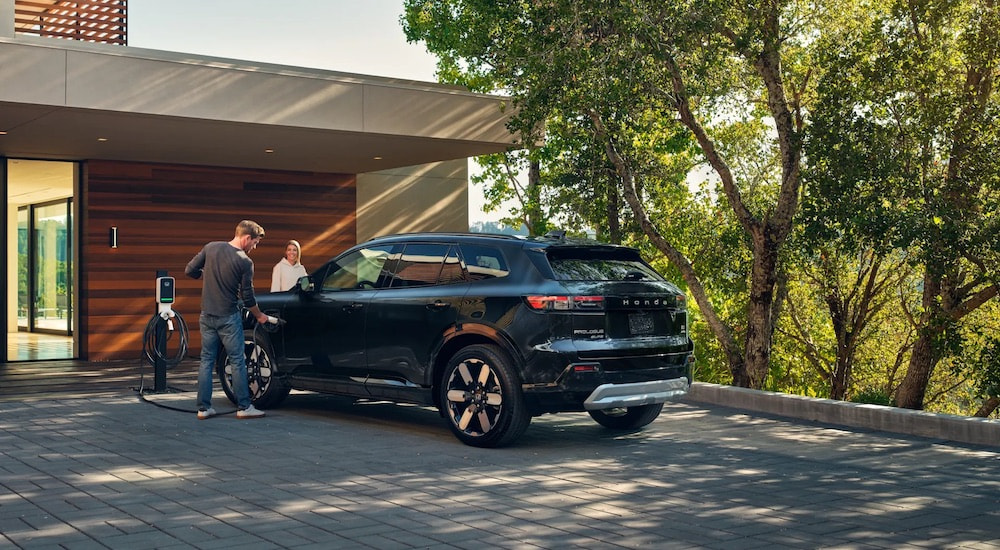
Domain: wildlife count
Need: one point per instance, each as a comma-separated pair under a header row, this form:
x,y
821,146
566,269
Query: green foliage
x,y
710,363
502,176
902,160
972,368
872,396
988,373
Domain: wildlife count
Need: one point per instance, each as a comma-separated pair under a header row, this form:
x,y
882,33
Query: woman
x,y
287,272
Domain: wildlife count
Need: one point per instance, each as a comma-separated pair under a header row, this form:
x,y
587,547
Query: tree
x,y
629,70
902,150
562,182
501,174
854,290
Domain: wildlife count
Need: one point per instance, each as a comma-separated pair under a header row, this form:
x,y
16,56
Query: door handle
x,y
353,306
437,304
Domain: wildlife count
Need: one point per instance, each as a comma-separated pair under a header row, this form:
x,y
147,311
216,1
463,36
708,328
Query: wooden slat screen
x,y
94,21
166,213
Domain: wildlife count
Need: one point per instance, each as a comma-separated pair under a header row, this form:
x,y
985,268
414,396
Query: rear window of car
x,y
589,264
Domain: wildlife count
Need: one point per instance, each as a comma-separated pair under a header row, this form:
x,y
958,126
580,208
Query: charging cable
x,y
175,326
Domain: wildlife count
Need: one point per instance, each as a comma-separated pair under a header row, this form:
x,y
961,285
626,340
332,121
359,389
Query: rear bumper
x,y
592,385
607,396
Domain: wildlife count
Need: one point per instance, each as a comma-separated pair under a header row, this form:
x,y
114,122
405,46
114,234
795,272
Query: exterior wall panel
x,y
431,197
186,90
166,213
32,75
441,115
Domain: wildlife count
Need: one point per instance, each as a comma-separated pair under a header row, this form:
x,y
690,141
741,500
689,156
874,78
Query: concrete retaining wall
x,y
980,431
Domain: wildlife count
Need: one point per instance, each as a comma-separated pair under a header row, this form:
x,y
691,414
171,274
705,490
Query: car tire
x,y
267,388
482,399
626,418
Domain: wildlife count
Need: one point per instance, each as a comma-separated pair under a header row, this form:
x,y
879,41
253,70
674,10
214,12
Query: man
x,y
228,279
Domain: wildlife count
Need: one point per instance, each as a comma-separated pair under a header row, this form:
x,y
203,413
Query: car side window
x,y
452,272
419,265
358,269
483,262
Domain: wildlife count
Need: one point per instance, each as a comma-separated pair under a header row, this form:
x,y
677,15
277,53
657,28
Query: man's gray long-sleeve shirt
x,y
228,274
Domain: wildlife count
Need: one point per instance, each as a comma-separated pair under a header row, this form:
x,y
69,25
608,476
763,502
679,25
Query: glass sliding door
x,y
51,267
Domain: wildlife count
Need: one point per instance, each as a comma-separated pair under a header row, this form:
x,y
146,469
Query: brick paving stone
x,y
325,473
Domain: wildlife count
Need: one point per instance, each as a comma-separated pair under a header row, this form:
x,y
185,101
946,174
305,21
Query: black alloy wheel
x,y
481,397
267,389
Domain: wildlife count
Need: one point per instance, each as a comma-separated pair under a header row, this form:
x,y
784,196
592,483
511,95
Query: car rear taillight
x,y
584,367
565,303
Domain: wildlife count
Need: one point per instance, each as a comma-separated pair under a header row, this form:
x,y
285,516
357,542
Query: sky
x,y
356,36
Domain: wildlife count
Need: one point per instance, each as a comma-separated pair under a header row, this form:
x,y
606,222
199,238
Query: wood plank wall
x,y
166,213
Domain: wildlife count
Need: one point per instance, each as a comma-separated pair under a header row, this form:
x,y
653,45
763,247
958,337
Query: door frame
x,y
73,275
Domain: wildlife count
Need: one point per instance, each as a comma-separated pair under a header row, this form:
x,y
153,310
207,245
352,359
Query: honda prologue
x,y
491,330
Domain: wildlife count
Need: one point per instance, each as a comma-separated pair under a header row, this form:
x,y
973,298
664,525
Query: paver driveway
x,y
323,472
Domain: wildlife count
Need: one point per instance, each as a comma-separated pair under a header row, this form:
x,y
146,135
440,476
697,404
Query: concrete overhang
x,y
74,100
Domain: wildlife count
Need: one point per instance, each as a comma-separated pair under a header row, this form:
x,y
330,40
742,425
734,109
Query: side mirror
x,y
305,285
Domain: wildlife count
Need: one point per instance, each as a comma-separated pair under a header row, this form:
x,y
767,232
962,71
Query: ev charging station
x,y
164,301
160,329
166,324
164,292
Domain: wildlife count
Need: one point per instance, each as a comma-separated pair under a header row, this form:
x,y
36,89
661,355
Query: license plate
x,y
640,323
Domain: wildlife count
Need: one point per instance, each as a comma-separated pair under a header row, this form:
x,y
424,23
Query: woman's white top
x,y
285,275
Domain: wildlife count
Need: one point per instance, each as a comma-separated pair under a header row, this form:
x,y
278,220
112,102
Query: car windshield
x,y
597,265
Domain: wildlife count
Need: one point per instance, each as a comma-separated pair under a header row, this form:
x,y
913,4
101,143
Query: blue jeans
x,y
227,330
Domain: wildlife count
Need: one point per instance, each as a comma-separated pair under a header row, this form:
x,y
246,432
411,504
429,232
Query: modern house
x,y
117,163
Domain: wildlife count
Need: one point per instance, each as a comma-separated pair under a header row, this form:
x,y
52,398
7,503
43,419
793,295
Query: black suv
x,y
489,329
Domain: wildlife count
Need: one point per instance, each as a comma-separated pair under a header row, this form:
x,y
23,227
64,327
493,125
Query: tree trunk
x,y
536,221
614,214
760,324
911,392
769,232
988,407
838,376
839,379
924,358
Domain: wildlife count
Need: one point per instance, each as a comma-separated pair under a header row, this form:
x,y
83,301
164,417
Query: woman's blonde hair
x,y
298,247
